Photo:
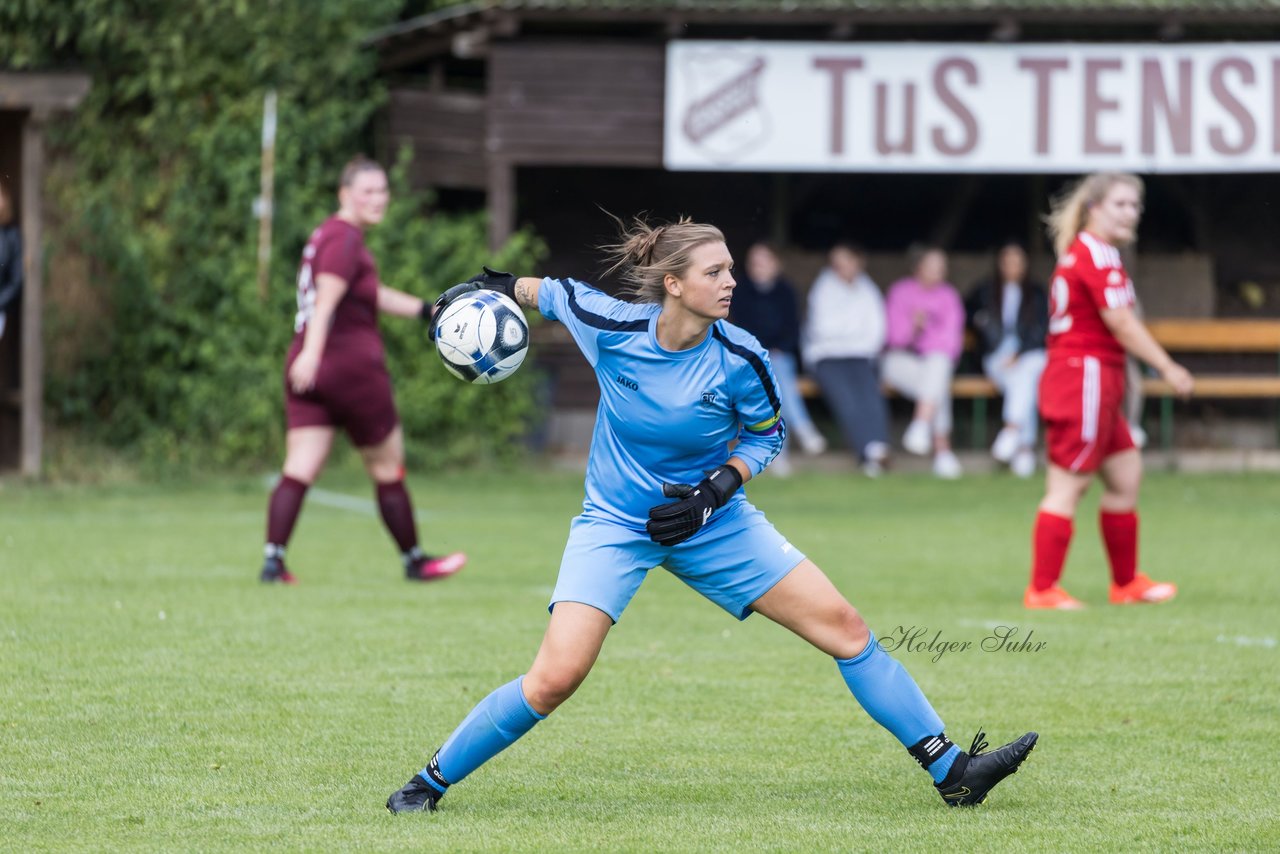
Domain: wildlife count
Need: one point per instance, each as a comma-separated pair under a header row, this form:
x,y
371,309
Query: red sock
x,y
1120,536
397,514
283,509
1050,542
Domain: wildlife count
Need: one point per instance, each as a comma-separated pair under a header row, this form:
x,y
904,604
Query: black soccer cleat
x,y
976,773
274,572
415,796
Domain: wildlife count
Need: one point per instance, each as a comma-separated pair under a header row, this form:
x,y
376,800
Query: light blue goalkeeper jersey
x,y
664,415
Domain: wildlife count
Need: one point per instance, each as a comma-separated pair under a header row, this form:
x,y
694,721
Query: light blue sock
x,y
493,725
893,699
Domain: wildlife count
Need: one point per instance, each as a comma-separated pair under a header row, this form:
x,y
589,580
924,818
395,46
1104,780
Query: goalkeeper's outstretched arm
x,y
523,289
526,292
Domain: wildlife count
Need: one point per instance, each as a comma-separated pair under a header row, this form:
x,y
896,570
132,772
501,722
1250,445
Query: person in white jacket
x,y
843,337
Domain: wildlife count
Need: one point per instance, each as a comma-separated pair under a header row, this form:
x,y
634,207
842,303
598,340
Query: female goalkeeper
x,y
678,384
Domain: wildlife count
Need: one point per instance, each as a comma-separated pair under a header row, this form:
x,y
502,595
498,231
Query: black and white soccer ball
x,y
482,337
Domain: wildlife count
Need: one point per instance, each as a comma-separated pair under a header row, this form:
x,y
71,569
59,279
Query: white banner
x,y
815,106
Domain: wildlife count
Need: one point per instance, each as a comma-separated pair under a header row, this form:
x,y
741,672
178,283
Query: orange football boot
x,y
1053,599
1143,590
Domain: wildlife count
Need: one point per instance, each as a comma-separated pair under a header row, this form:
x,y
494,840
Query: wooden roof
x,y
463,29
42,91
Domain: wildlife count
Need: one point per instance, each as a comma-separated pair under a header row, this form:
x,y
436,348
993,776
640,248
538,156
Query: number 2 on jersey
x,y
1059,320
306,292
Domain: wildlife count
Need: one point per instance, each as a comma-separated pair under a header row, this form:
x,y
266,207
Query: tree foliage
x,y
162,169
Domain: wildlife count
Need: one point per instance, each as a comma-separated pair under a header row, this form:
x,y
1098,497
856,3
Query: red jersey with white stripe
x,y
1089,278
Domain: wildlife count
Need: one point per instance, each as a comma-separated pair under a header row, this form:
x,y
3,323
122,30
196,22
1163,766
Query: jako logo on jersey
x,y
627,383
708,398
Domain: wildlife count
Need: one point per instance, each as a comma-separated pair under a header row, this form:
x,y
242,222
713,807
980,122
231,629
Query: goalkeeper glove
x,y
674,523
491,280
496,280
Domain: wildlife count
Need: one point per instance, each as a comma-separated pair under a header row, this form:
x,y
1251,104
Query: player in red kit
x,y
336,377
1091,327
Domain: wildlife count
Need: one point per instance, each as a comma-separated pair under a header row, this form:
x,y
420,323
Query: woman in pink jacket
x,y
924,339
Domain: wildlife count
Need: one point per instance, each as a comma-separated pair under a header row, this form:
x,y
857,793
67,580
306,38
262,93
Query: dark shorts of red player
x,y
352,394
1082,403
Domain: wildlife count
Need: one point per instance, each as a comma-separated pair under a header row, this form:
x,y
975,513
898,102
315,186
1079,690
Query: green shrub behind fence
x,y
154,181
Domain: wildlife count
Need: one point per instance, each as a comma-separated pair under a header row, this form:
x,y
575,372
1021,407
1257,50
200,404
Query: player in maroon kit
x,y
336,377
1091,326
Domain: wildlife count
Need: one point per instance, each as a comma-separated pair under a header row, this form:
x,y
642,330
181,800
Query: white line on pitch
x,y
981,624
342,501
1241,640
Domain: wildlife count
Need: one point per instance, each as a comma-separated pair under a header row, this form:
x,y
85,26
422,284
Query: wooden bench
x,y
1177,336
973,387
1215,336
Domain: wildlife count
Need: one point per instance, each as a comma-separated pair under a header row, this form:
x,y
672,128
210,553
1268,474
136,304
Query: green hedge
x,y
161,170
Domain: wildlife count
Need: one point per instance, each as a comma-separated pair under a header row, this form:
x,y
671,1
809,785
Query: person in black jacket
x,y
1009,314
10,258
764,304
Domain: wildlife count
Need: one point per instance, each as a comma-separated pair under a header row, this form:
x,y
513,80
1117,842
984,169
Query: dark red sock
x,y
1120,536
397,514
283,509
1050,542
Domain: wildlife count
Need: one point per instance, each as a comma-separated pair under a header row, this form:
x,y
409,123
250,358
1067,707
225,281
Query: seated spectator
x,y
764,304
925,337
1009,314
10,258
843,338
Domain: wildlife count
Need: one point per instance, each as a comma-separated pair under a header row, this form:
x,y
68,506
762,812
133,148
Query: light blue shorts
x,y
732,562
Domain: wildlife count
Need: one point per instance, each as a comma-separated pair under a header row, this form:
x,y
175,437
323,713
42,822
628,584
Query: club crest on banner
x,y
724,115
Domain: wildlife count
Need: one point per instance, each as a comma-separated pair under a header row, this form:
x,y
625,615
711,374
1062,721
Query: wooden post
x,y
956,212
32,448
266,203
780,210
501,202
1037,205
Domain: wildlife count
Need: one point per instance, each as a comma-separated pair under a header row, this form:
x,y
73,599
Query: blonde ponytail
x,y
646,254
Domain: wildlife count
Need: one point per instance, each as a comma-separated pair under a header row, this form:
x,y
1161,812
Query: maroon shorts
x,y
1082,402
351,392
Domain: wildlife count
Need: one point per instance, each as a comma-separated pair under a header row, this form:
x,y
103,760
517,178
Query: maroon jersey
x,y
337,247
1089,278
352,389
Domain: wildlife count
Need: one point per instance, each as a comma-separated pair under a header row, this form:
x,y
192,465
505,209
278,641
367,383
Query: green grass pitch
x,y
154,696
